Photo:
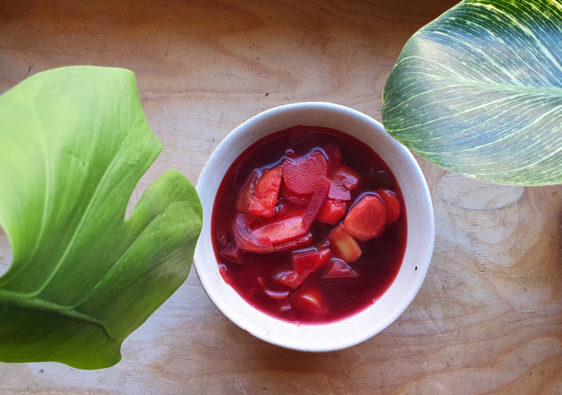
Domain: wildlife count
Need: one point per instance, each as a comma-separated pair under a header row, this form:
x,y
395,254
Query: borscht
x,y
309,225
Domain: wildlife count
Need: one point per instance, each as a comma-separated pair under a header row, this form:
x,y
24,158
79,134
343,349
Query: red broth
x,y
320,298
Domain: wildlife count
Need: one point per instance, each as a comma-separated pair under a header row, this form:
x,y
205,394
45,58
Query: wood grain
x,y
489,315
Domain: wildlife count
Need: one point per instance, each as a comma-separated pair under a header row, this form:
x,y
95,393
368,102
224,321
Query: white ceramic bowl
x,y
420,231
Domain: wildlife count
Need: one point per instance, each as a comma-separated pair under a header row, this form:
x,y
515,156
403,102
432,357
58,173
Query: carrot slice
x,y
391,204
366,219
300,174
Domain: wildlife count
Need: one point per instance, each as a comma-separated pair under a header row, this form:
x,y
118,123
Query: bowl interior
x,y
420,230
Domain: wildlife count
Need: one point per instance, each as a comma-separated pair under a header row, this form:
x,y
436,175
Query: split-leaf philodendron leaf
x,y
479,91
74,142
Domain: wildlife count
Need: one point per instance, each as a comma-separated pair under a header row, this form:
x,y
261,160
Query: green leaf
x,y
74,142
478,91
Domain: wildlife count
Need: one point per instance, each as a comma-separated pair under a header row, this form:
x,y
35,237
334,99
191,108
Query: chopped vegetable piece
x,y
270,292
293,198
310,299
281,230
325,254
266,192
309,259
332,211
338,269
300,174
339,192
333,153
300,242
343,245
366,219
259,196
344,180
291,278
391,204
318,199
305,259
247,191
246,239
347,177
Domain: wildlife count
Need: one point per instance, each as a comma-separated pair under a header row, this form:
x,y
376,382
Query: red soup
x,y
309,225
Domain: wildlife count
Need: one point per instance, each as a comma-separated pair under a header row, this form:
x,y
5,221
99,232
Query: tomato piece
x,y
259,194
318,199
291,278
343,245
332,211
310,299
391,203
367,218
300,174
337,269
246,239
344,180
281,230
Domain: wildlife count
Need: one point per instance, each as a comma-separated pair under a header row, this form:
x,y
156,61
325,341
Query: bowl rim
x,y
276,338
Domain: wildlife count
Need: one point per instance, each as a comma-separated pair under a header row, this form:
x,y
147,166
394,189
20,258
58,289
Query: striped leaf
x,y
478,91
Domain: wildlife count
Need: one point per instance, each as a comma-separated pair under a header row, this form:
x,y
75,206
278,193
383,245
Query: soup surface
x,y
309,225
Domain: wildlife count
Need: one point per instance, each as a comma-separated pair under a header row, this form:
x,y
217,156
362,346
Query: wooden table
x,y
489,315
